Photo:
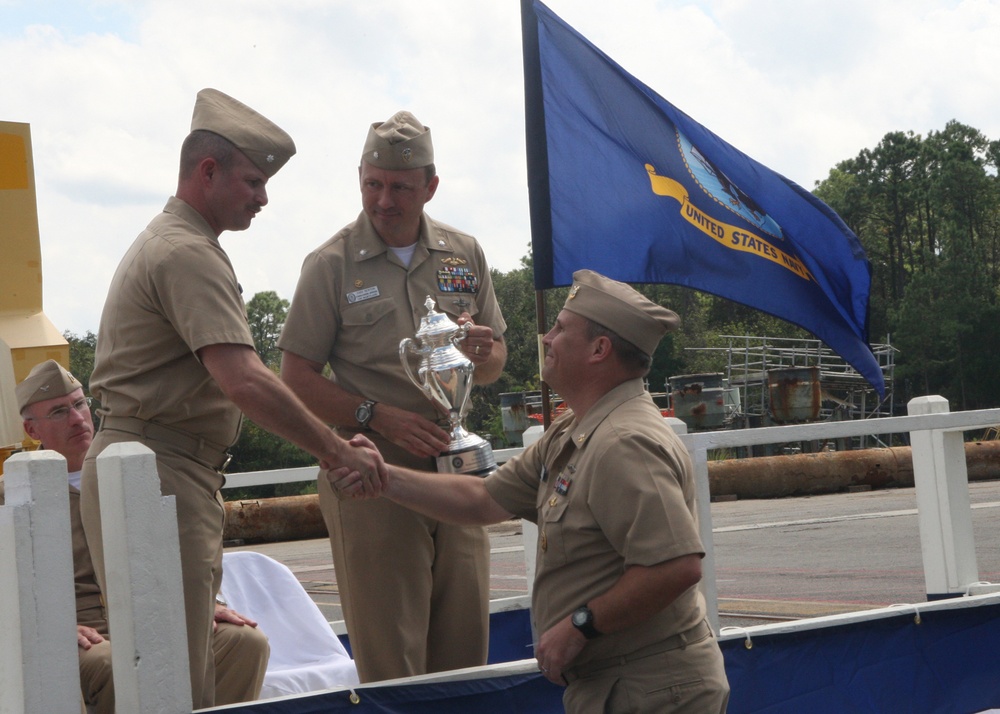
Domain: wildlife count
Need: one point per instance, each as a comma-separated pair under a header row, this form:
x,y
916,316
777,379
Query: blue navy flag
x,y
624,183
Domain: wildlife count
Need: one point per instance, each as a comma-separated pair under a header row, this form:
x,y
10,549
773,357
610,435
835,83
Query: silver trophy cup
x,y
445,376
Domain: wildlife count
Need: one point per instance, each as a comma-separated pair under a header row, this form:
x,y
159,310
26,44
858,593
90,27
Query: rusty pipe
x,y
298,517
831,472
273,520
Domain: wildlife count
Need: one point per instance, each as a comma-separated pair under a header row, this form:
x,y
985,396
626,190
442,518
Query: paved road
x,y
781,558
800,557
312,563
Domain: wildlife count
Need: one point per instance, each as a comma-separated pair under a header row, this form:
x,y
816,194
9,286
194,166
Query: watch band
x,y
583,620
365,412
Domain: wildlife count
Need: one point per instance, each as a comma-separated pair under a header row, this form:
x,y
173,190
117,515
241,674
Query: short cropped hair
x,y
631,356
201,144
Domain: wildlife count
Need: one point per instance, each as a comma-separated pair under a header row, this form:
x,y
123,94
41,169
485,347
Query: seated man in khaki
x,y
56,413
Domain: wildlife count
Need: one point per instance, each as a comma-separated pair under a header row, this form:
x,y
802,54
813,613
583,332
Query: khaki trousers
x,y
685,680
200,519
415,592
240,654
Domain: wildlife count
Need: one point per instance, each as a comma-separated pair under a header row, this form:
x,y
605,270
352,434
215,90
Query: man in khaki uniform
x,y
415,592
175,362
57,414
616,599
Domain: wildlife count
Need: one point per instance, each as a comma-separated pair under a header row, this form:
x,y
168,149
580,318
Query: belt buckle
x,y
225,464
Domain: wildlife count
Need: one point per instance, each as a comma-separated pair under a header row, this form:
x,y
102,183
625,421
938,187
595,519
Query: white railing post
x,y
144,591
699,460
941,479
39,669
529,531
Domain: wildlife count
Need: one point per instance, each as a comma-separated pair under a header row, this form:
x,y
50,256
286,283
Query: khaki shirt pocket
x,y
551,527
367,313
454,304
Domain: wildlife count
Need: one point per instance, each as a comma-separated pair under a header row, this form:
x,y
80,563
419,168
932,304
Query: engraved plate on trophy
x,y
445,376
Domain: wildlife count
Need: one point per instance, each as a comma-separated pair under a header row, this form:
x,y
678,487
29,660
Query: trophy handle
x,y
406,346
460,334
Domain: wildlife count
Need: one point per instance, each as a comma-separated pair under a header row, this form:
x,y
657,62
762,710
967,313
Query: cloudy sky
x,y
108,87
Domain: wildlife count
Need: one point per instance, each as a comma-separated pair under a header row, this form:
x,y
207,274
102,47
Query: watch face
x,y
580,617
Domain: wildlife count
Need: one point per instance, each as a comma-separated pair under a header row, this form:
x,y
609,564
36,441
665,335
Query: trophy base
x,y
475,458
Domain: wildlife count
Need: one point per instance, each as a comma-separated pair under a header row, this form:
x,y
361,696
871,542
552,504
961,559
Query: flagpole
x,y
540,326
538,182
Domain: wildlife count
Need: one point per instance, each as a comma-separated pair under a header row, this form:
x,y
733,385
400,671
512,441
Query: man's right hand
x,y
87,637
420,436
362,461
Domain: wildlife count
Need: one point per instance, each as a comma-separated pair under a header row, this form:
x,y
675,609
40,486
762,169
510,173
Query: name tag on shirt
x,y
363,294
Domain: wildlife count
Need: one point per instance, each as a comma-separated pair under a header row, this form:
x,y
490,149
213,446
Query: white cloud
x,y
108,89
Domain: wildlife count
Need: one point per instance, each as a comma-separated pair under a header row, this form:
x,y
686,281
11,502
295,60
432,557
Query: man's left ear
x,y
602,349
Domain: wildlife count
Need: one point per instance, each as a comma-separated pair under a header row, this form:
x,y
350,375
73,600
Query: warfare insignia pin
x,y
453,261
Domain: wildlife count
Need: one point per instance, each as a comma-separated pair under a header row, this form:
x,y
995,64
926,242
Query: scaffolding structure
x,y
845,394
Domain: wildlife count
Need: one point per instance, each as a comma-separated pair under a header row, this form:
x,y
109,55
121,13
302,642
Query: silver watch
x,y
365,412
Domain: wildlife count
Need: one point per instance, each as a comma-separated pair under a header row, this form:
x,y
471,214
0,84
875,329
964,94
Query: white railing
x,y
39,672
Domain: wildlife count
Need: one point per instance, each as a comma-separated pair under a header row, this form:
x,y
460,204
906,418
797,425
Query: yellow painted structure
x,y
27,337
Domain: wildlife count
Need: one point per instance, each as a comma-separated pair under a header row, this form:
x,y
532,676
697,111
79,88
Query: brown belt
x,y
681,639
214,455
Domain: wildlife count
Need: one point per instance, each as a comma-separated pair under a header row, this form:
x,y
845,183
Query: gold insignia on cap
x,y
573,291
451,260
399,143
359,283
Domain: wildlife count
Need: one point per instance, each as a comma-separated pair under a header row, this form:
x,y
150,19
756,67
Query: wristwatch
x,y
365,412
583,620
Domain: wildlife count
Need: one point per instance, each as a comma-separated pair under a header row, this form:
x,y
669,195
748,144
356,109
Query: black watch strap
x,y
583,620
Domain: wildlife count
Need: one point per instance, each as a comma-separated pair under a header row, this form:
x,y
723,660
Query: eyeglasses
x,y
62,413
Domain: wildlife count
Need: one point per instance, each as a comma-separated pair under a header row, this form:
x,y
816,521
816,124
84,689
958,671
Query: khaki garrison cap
x,y
621,309
398,144
266,144
47,380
